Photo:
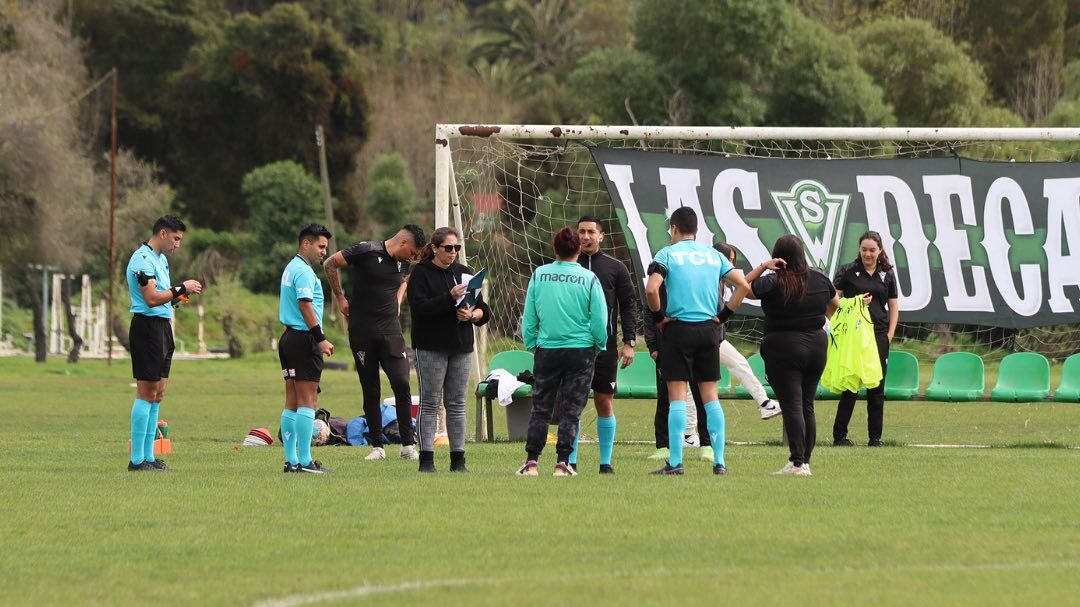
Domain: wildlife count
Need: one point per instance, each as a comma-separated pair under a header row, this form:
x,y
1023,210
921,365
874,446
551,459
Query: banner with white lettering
x,y
984,243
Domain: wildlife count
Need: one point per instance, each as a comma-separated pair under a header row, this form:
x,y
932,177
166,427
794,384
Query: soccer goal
x,y
982,224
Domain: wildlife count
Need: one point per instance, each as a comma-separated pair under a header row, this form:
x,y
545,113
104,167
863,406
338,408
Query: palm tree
x,y
538,35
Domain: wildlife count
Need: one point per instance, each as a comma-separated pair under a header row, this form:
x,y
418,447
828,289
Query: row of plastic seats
x,y
957,376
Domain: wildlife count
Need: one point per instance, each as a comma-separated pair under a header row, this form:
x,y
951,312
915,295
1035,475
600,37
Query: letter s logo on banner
x,y
816,216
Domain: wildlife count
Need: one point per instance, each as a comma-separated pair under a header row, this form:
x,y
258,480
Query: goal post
x,y
507,187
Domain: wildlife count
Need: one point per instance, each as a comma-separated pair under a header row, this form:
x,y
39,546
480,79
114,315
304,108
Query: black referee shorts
x,y
606,370
299,355
690,350
151,341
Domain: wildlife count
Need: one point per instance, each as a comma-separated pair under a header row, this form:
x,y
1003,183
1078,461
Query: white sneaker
x,y
376,453
788,470
803,470
691,441
769,409
706,454
409,452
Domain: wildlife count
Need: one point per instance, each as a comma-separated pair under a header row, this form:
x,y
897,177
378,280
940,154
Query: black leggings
x,y
875,400
794,361
387,351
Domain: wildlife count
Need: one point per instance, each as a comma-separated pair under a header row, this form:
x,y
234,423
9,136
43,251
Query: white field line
x,y
364,590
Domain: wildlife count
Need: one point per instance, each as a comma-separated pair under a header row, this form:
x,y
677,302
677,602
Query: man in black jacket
x,y
621,297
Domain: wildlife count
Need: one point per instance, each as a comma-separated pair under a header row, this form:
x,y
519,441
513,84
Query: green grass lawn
x,y
899,525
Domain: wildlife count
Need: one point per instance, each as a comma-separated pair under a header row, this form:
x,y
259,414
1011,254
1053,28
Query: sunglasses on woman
x,y
450,248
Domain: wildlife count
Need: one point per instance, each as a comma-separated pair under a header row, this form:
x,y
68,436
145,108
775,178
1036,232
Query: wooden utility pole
x,y
112,216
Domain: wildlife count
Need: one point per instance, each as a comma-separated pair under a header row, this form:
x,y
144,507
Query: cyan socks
x,y
676,420
305,423
140,413
288,435
714,417
151,432
605,431
572,459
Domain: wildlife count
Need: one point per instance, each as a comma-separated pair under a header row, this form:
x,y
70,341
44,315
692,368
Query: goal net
x,y
509,188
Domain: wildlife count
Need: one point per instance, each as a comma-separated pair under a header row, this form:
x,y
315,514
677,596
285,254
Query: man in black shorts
x,y
373,310
150,334
621,299
302,347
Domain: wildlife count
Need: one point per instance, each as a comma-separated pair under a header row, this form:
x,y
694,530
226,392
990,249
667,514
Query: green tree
x,y
252,93
283,198
146,40
391,194
926,77
541,36
617,86
719,53
818,81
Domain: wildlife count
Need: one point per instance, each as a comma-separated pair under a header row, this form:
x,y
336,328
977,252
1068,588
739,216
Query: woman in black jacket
x,y
442,341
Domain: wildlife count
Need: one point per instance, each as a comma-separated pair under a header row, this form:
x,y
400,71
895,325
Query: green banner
x,y
985,243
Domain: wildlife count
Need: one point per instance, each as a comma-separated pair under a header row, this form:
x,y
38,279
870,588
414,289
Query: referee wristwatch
x,y
630,342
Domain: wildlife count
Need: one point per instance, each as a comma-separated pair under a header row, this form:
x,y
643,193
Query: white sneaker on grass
x,y
409,452
790,469
376,453
706,454
769,409
787,470
691,441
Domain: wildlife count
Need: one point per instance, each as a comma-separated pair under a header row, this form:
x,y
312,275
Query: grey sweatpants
x,y
443,379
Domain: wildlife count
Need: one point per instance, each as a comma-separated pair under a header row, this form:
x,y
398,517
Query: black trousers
x,y
875,400
794,361
561,376
370,352
663,405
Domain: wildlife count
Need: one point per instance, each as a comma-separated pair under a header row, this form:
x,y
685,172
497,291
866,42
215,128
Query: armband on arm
x,y
725,314
178,291
317,333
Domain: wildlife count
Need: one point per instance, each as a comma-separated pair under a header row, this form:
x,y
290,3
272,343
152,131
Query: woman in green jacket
x,y
564,325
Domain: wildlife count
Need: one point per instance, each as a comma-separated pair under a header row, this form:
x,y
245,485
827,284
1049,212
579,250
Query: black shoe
x,y
289,468
669,469
313,468
874,442
427,461
158,464
574,466
141,467
606,469
719,469
457,462
842,442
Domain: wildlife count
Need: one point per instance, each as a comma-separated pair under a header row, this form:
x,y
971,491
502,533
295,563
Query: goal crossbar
x,y
445,132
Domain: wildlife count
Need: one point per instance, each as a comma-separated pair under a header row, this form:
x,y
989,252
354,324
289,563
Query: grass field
x,y
894,526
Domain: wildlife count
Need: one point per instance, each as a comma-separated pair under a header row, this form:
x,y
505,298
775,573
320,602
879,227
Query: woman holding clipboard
x,y
442,340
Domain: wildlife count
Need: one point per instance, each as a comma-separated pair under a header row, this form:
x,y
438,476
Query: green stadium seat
x,y
1068,390
757,365
902,379
1022,377
958,376
513,361
638,380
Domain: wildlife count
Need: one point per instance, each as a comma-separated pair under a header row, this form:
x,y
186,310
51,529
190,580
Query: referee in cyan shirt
x,y
691,272
150,335
302,347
